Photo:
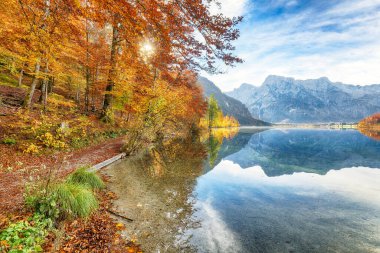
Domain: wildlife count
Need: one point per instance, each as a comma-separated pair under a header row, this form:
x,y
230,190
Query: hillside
x,y
229,105
282,99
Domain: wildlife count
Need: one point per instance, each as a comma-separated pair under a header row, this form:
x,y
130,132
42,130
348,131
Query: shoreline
x,y
305,126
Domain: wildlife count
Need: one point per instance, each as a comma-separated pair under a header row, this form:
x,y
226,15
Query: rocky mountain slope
x,y
229,105
283,99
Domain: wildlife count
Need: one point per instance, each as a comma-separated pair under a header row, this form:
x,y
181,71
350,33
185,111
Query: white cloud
x,y
351,7
291,3
298,46
357,183
214,235
231,8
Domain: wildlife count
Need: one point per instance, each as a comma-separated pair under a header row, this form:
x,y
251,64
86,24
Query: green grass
x,y
82,177
75,200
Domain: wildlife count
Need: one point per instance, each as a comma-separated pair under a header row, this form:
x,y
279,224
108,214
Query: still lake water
x,y
258,191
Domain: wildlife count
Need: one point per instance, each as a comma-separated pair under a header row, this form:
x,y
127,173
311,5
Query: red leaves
x,y
97,234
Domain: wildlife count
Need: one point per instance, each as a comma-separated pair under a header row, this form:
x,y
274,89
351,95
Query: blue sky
x,y
305,39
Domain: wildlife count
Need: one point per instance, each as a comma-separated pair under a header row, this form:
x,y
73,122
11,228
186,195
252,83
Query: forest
x,y
79,76
67,67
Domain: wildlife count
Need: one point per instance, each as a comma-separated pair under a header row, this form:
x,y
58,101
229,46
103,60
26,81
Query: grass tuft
x,y
75,200
72,198
82,177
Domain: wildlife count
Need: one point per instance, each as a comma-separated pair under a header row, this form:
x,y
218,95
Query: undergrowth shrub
x,y
31,149
138,137
9,141
72,198
25,236
44,204
133,142
63,201
51,141
108,117
51,202
58,101
78,142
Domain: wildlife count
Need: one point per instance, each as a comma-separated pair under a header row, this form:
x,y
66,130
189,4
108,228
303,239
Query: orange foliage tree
x,y
133,58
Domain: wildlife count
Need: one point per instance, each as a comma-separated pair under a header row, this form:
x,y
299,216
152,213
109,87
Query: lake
x,y
256,190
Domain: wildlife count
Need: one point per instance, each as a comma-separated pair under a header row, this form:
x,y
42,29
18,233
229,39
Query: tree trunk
x,y
44,27
94,81
21,75
87,91
44,88
112,71
51,84
77,95
88,73
29,96
70,87
41,87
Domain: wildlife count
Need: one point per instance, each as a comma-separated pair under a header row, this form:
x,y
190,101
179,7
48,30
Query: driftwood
x,y
119,215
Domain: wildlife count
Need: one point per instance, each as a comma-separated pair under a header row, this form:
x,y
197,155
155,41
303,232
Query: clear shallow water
x,y
291,191
260,191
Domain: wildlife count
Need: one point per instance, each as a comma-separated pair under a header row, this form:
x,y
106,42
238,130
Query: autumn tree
x,y
15,44
183,34
129,56
212,111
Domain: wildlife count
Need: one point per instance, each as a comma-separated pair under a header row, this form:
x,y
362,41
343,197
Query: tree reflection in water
x,y
155,190
372,133
215,141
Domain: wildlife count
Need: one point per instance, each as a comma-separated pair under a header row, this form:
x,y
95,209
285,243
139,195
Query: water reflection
x,y
255,191
304,212
224,142
214,140
291,191
372,133
280,152
155,190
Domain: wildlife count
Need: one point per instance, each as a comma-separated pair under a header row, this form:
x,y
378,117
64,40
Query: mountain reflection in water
x,y
290,191
280,152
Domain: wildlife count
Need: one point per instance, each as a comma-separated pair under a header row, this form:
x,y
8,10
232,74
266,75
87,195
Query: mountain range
x,y
286,100
229,105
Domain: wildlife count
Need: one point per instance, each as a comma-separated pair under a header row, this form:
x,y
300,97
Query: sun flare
x,y
147,49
